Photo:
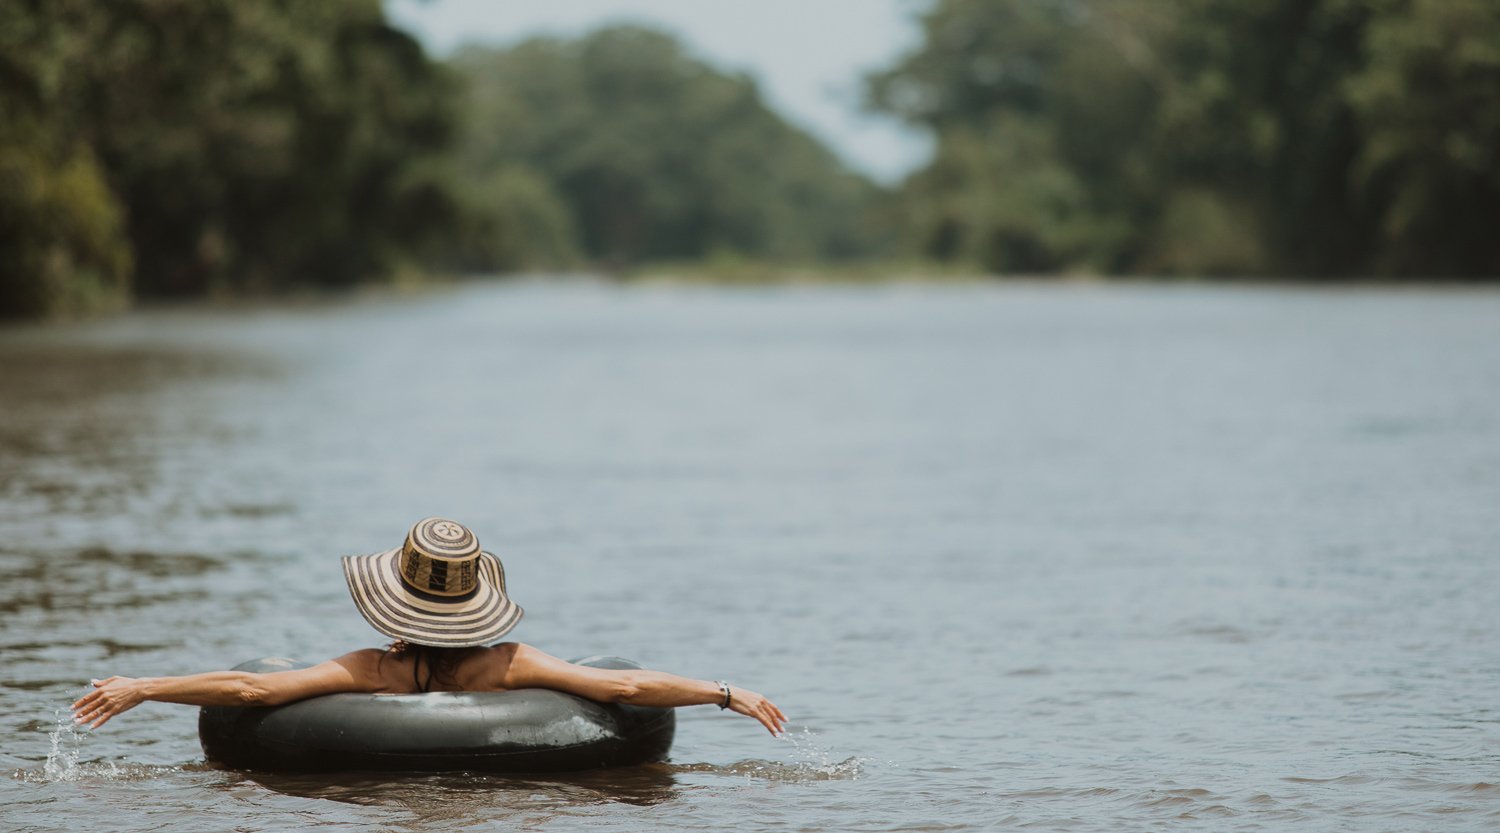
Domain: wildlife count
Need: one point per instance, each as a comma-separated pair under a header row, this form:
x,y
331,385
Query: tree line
x,y
183,148
171,148
1308,139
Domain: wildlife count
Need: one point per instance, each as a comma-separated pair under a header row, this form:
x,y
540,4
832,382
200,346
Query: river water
x,y
1086,558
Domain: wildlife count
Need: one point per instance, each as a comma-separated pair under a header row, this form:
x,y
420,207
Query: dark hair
x,y
442,663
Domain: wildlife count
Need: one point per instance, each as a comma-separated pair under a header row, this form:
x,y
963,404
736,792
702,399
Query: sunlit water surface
x,y
1073,558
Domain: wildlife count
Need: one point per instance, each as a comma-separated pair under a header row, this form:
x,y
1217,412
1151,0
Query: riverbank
x,y
416,284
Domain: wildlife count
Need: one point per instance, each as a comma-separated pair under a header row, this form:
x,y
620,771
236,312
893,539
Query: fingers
x,y
95,708
771,717
99,714
764,715
87,705
761,717
752,704
95,694
90,712
780,715
90,697
779,719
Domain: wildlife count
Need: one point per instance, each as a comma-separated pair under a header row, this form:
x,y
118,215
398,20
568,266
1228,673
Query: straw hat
x,y
436,589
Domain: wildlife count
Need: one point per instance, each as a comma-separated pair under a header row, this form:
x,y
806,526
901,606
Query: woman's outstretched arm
x,y
351,672
522,666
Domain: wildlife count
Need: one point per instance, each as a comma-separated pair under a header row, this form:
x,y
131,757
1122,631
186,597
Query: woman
x,y
443,600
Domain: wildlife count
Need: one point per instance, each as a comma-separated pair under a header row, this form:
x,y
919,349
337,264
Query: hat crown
x,y
440,557
438,588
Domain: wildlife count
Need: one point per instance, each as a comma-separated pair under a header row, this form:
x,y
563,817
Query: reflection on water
x,y
95,577
796,773
452,796
83,426
1083,558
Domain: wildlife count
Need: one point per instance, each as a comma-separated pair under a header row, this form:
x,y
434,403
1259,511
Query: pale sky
x,y
807,55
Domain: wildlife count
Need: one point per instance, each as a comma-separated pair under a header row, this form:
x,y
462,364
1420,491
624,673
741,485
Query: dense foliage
x,y
626,148
206,146
210,145
1272,137
190,147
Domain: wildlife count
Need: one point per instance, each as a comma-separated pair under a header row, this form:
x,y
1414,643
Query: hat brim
x,y
401,612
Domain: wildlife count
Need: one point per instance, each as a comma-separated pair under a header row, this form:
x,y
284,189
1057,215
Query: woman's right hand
x,y
753,704
110,697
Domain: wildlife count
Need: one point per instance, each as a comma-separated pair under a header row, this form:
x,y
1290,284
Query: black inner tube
x,y
529,730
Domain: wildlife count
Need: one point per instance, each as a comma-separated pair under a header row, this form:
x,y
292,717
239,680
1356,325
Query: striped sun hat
x,y
436,589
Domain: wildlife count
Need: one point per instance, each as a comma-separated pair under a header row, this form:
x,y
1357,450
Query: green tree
x,y
240,144
1312,138
261,144
62,240
65,248
1430,159
656,155
1044,115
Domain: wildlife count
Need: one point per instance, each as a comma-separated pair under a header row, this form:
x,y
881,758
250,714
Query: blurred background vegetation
x,y
187,148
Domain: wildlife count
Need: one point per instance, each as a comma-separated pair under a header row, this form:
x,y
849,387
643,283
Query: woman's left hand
x,y
109,698
753,704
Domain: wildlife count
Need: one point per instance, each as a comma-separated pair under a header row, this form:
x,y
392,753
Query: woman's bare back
x,y
410,671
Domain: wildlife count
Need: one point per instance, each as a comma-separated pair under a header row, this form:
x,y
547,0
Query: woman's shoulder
x,y
362,659
364,665
490,669
507,651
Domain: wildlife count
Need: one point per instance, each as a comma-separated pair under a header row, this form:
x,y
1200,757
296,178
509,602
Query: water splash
x,y
815,758
67,746
64,762
810,760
